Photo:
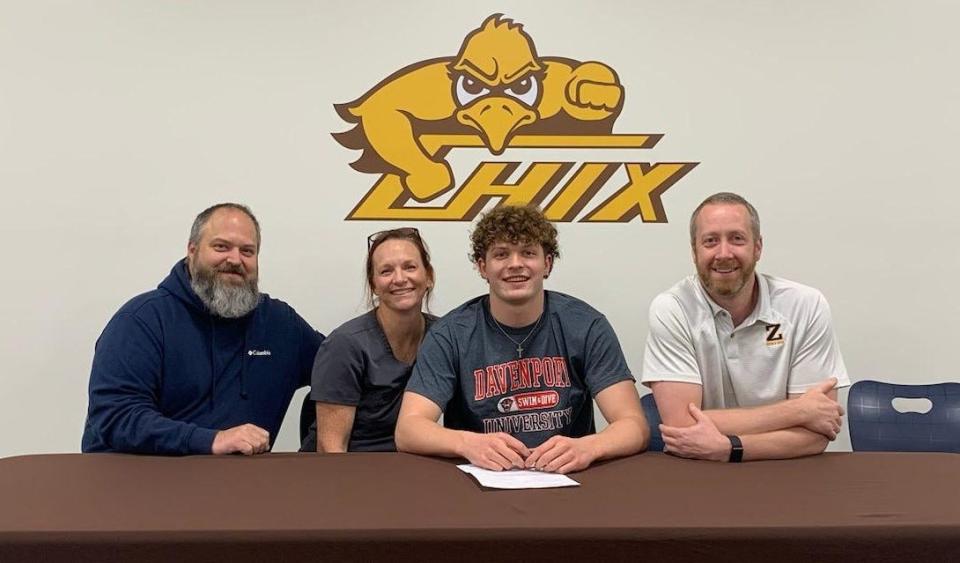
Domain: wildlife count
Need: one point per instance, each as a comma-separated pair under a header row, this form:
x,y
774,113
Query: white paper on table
x,y
517,478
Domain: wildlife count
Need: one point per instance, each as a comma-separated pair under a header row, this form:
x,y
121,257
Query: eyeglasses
x,y
402,232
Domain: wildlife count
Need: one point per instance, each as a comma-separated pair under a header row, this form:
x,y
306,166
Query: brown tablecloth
x,y
310,507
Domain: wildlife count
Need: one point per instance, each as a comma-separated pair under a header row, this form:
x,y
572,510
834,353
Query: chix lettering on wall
x,y
498,93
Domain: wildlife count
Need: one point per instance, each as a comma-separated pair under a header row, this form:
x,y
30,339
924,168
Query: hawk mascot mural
x,y
496,86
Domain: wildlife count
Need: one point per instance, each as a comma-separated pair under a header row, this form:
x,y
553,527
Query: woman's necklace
x,y
519,345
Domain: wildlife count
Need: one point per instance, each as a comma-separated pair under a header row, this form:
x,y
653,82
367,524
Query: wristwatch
x,y
736,449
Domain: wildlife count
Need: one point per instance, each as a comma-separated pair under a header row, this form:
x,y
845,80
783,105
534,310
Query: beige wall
x,y
120,120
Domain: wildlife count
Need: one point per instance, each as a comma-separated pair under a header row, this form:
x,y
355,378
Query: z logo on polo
x,y
498,93
774,336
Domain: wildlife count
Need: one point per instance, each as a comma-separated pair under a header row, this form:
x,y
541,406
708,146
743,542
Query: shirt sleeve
x,y
338,371
604,361
435,372
669,354
124,395
817,355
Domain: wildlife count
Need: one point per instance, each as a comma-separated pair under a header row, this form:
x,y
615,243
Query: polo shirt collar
x,y
763,311
714,308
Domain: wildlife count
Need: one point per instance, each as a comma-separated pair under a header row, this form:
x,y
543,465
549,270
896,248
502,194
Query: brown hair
x,y
726,198
514,224
410,234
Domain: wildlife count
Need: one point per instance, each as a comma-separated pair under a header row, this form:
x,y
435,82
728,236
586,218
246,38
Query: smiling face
x,y
227,249
725,250
399,279
515,272
223,263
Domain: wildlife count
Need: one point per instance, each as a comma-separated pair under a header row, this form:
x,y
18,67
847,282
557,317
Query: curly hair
x,y
514,224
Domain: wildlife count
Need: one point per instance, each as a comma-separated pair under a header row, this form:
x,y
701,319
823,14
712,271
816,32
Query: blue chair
x,y
875,425
653,421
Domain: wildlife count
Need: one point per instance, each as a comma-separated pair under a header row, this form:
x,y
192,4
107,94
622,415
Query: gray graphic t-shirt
x,y
470,369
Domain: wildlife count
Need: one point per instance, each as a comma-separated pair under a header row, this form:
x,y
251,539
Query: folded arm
x,y
782,444
799,426
816,410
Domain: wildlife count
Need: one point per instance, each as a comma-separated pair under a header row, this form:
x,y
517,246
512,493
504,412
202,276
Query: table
x,y
314,507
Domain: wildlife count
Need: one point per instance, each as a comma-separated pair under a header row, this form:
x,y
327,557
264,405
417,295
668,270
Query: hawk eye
x,y
469,89
525,90
522,86
471,86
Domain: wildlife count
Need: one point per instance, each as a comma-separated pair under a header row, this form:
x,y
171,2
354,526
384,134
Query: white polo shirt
x,y
785,346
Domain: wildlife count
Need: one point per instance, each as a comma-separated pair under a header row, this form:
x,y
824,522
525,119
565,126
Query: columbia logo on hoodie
x,y
258,352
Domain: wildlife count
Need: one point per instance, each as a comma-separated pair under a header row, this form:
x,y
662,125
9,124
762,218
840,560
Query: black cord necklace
x,y
519,345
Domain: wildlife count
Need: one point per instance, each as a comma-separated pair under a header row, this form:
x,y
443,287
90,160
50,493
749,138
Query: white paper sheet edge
x,y
517,478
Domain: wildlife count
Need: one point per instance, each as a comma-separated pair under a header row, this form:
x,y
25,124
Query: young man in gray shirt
x,y
515,372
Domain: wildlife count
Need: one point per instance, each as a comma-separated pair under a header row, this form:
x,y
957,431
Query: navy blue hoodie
x,y
168,375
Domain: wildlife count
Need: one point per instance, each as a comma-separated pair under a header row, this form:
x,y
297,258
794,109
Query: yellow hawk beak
x,y
496,118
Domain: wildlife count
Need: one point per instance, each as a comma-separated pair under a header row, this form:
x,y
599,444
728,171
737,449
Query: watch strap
x,y
736,449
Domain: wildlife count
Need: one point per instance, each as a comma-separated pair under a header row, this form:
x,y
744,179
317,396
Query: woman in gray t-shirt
x,y
363,366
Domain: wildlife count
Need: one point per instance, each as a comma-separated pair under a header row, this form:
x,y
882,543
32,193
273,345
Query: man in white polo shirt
x,y
755,352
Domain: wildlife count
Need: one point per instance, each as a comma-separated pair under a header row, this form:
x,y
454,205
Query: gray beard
x,y
223,299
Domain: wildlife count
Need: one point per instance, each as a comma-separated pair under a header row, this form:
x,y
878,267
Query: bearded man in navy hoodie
x,y
205,363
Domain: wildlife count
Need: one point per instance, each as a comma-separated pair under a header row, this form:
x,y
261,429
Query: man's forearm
x,y
783,444
421,435
624,437
757,420
141,429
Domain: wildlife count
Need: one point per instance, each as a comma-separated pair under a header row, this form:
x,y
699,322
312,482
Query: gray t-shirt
x,y
470,369
355,366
